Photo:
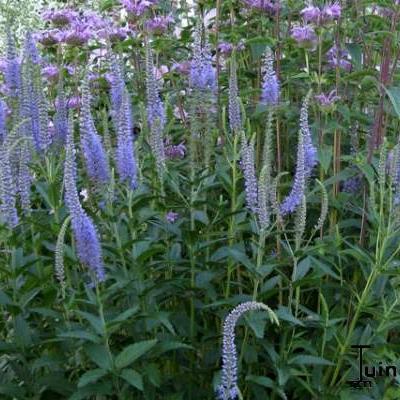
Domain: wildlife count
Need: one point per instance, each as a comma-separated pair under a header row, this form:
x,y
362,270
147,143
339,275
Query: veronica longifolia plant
x,y
229,390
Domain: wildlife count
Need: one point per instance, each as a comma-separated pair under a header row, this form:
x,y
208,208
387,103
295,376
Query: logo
x,y
368,371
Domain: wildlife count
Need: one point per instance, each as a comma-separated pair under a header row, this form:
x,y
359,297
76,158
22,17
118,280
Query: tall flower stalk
x,y
203,87
34,108
235,117
93,151
229,389
155,115
85,233
8,190
306,160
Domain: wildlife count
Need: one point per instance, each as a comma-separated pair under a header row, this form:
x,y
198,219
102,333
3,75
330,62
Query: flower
x,y
171,217
225,48
311,14
33,104
155,113
315,15
295,197
182,67
338,57
352,185
3,121
8,190
228,390
268,6
310,152
158,25
78,35
174,150
85,233
12,72
234,109
326,101
61,115
60,17
202,73
305,36
250,180
50,37
117,85
138,7
114,33
95,157
125,152
331,12
270,92
50,72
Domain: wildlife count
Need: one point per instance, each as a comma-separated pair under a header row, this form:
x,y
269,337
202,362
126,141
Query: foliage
x,y
182,247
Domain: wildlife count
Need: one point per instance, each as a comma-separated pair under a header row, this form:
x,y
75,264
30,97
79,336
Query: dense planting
x,y
199,201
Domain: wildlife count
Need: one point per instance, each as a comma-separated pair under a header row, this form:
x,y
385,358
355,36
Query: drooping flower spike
x,y
229,390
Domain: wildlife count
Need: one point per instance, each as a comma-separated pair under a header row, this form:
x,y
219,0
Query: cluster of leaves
x,y
152,330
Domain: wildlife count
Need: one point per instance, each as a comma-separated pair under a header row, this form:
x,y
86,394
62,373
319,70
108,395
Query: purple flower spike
x,y
235,115
85,234
311,14
270,92
3,121
8,191
125,152
310,152
202,73
249,172
93,151
294,199
155,113
229,390
12,73
61,115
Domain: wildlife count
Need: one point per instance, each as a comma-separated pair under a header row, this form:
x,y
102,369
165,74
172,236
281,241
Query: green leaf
x,y
133,352
99,355
91,376
13,391
302,268
124,316
394,96
133,378
261,380
285,314
257,322
80,335
94,321
309,360
169,346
